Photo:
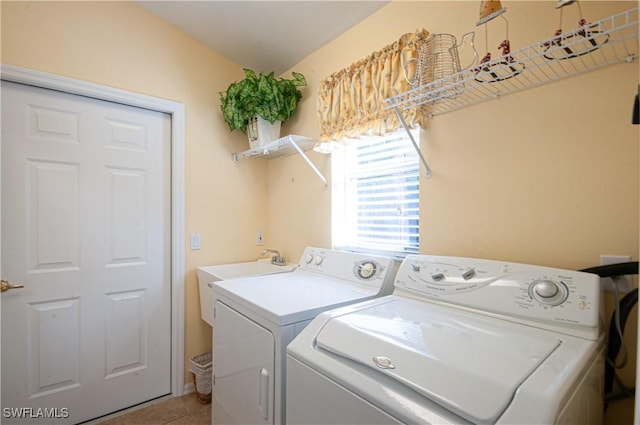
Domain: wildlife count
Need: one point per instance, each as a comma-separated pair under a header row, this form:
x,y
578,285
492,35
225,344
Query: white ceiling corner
x,y
264,35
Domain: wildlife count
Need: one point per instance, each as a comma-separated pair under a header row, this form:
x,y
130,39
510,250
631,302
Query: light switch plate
x,y
195,241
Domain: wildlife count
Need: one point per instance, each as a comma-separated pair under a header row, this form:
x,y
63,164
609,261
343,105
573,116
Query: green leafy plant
x,y
270,97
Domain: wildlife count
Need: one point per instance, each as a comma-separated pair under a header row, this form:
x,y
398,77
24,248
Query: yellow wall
x,y
121,45
548,176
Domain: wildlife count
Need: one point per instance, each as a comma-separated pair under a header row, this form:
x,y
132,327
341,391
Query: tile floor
x,y
185,410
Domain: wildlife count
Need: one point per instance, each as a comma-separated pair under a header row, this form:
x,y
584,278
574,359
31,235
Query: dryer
x,y
255,318
459,341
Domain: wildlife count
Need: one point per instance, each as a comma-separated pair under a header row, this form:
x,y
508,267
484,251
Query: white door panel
x,y
86,229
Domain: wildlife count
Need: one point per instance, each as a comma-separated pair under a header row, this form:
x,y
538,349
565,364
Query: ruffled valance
x,y
351,101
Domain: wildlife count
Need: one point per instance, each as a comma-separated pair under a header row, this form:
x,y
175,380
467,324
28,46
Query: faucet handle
x,y
276,259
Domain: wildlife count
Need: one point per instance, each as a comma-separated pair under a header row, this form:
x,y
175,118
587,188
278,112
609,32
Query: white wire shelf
x,y
278,148
284,146
597,44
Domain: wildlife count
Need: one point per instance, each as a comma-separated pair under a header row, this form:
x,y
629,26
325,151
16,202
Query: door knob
x,y
5,285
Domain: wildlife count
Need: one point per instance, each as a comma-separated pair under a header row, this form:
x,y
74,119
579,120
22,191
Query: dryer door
x,y
243,369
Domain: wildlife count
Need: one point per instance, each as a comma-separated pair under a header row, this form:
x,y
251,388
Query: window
x,y
375,198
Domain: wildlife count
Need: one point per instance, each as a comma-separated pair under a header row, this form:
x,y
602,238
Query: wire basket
x,y
201,367
438,63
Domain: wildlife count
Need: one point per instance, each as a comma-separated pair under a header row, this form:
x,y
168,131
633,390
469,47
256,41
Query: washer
x,y
256,317
459,341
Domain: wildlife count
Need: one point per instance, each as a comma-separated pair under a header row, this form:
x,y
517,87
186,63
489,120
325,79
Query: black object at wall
x,y
635,118
625,307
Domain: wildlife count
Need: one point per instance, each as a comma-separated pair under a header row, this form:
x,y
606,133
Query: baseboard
x,y
189,388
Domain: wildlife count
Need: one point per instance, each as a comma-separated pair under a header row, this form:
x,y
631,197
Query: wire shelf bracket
x,y
284,146
416,146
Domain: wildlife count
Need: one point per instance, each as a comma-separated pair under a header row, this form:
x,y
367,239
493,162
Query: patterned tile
x,y
185,410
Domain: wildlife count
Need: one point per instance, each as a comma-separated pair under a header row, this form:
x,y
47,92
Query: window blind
x,y
381,195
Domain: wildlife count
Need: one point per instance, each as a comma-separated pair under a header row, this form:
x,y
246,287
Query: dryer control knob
x,y
546,288
366,270
319,259
308,258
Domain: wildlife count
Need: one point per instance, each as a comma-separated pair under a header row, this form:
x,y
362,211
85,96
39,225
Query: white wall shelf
x,y
284,146
596,45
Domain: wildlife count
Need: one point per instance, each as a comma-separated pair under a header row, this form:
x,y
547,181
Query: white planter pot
x,y
261,131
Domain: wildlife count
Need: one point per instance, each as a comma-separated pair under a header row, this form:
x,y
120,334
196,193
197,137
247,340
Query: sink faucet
x,y
275,259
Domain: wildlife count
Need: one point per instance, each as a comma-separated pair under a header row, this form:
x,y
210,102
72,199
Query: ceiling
x,y
264,35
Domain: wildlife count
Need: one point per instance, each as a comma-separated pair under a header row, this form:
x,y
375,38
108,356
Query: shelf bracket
x,y
416,146
306,158
284,146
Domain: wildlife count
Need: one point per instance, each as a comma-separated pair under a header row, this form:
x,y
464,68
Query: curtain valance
x,y
351,101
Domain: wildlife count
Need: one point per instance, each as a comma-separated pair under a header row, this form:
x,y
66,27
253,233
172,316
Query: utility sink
x,y
209,274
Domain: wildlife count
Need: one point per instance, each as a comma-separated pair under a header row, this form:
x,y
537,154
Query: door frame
x,y
176,110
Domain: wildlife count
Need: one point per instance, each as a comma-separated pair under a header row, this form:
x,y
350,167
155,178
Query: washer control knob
x,y
438,276
468,274
548,292
319,259
546,288
308,259
366,269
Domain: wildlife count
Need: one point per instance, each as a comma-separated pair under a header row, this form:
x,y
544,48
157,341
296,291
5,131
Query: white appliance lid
x,y
292,297
469,364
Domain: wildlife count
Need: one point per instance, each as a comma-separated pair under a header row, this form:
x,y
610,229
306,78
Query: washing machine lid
x,y
469,364
294,297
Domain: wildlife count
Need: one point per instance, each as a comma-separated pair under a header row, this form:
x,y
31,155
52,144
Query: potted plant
x,y
248,103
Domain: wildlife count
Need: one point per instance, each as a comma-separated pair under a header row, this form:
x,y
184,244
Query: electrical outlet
x,y
624,283
195,241
259,238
